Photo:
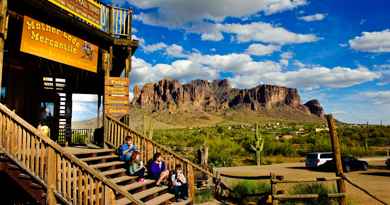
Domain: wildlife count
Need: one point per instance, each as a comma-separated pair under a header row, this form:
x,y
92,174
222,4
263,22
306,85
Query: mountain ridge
x,y
169,95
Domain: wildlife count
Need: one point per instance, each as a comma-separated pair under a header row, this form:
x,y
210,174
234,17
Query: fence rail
x,y
59,171
115,133
278,196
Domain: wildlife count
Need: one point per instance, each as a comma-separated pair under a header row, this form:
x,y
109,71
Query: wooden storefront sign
x,y
87,10
46,41
116,96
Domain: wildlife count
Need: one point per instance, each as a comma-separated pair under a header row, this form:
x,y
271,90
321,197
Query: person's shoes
x,y
185,198
141,180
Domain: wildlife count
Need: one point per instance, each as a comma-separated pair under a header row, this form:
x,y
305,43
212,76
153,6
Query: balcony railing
x,y
113,20
116,21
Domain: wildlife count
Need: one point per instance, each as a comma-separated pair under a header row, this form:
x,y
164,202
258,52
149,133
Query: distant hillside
x,y
86,124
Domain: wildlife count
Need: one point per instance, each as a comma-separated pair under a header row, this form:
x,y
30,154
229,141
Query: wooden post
x,y
98,110
127,75
109,197
3,33
191,181
108,56
51,173
337,157
111,20
273,190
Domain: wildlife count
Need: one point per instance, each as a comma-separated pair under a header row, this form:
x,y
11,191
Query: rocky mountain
x,y
170,95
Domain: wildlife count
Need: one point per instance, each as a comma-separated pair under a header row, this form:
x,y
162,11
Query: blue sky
x,y
335,51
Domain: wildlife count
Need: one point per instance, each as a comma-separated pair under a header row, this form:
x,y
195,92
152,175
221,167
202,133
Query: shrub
x,y
314,188
203,196
245,188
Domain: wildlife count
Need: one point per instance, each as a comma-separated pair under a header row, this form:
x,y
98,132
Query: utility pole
x,y
366,138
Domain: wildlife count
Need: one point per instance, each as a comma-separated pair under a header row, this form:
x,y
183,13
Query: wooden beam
x,y
3,34
337,157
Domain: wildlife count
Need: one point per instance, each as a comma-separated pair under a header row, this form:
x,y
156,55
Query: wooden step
x,y
136,185
123,179
114,171
150,192
106,164
185,202
122,201
89,151
160,199
142,194
89,159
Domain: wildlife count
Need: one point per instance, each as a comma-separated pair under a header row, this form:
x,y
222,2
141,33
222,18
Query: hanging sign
x,y
48,42
116,96
87,10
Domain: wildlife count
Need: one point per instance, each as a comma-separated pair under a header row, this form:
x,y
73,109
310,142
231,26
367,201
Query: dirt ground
x,y
376,180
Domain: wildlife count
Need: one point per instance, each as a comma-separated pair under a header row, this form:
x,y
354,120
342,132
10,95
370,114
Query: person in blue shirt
x,y
126,149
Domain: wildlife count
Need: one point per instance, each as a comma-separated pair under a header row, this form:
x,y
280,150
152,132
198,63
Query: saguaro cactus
x,y
259,145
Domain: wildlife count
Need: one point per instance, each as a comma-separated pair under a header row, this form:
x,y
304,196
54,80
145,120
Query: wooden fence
x,y
65,177
115,133
281,195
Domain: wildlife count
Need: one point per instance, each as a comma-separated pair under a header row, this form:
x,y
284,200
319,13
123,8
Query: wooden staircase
x,y
63,178
85,176
108,164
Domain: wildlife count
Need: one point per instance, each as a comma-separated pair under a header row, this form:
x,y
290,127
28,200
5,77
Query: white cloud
x,y
285,58
154,47
84,98
247,72
177,13
384,70
314,17
259,49
183,70
377,97
310,78
263,32
175,50
215,36
375,42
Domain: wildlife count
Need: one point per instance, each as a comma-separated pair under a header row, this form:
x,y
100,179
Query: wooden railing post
x,y
191,181
337,156
51,173
273,190
109,197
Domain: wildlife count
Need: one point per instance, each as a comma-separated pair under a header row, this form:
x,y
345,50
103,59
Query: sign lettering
x,y
49,42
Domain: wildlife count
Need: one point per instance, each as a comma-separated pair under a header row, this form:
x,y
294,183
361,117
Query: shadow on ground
x,y
381,174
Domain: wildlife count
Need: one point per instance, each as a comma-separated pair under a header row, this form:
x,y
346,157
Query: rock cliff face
x,y
216,96
315,107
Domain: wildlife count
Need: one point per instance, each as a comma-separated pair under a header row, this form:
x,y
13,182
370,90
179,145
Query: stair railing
x,y
115,133
65,177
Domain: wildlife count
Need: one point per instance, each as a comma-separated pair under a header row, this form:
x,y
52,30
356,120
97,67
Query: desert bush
x,y
314,188
203,196
246,190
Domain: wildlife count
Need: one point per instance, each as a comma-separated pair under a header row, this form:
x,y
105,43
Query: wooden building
x,y
53,49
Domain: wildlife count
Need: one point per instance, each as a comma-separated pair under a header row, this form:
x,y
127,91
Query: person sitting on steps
x,y
179,184
157,169
126,149
136,166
